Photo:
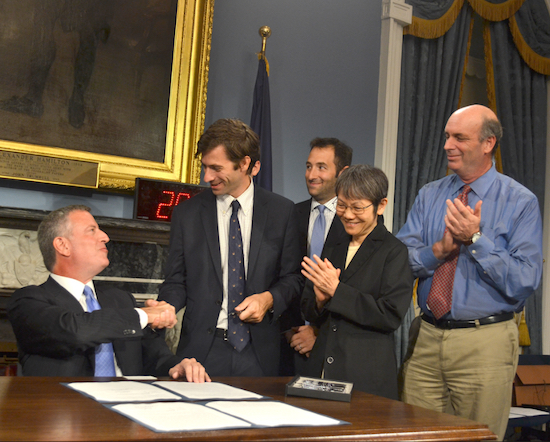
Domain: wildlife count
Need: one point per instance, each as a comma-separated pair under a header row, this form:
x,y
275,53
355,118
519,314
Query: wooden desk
x,y
41,409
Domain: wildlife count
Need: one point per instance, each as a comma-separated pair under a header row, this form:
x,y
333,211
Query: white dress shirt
x,y
223,204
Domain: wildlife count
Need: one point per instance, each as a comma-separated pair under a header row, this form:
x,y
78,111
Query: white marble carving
x,y
21,262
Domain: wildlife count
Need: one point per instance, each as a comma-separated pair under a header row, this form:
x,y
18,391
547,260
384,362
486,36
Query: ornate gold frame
x,y
185,113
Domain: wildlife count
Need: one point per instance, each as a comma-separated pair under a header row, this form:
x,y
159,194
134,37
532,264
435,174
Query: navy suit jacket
x,y
194,272
55,337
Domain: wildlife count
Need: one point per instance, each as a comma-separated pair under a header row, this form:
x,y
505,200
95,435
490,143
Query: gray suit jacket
x,y
194,273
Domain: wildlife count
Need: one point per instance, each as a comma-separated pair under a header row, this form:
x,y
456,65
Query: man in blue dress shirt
x,y
466,352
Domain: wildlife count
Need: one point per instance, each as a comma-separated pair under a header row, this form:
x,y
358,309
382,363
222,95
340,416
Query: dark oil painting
x,y
87,75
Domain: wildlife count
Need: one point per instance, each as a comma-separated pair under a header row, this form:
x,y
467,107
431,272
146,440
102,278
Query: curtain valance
x,y
529,23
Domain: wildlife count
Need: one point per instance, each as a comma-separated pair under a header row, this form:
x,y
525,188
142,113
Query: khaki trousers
x,y
469,371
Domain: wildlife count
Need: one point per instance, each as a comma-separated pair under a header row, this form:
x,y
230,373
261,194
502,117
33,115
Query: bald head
x,y
477,114
471,133
477,110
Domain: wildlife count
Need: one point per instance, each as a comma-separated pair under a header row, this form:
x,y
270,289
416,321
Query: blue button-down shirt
x,y
503,267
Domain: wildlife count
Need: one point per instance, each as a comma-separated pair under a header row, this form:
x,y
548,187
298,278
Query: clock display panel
x,y
155,199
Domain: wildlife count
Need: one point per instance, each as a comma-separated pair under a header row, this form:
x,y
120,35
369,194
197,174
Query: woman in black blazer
x,y
359,292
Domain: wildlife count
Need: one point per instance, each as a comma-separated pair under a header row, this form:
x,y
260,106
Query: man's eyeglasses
x,y
341,208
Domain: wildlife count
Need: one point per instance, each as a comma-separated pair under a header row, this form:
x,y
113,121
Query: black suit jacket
x,y
355,341
291,361
55,337
194,272
336,234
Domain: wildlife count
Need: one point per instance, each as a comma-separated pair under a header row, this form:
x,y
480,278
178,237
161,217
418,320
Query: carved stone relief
x,y
21,262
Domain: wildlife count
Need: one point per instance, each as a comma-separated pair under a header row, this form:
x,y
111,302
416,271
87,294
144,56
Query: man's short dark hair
x,y
363,182
342,152
52,226
491,127
237,137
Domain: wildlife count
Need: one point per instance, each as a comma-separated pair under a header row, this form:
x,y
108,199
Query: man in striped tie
x,y
70,327
475,244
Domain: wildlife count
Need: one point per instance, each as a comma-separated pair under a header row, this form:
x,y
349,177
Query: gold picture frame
x,y
187,78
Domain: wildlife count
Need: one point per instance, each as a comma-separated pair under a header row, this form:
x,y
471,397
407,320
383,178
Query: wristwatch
x,y
475,237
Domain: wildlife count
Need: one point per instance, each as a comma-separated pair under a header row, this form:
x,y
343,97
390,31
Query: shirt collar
x,y
480,186
330,204
73,286
245,199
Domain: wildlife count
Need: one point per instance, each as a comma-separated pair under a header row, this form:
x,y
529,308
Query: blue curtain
x,y
520,60
431,75
520,94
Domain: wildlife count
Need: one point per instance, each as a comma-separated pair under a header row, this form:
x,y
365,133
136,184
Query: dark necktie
x,y
104,356
440,297
318,234
238,333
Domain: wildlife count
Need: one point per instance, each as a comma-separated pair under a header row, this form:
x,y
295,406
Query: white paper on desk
x,y
273,414
178,416
123,391
207,390
523,412
140,378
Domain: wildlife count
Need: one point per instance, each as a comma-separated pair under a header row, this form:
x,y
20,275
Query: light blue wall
x,y
324,58
26,195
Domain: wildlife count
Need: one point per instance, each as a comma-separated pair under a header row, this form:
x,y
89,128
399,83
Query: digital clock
x,y
155,199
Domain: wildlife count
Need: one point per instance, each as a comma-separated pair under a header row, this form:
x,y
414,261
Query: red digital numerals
x,y
169,206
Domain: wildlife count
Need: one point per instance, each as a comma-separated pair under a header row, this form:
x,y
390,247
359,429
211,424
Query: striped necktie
x,y
440,298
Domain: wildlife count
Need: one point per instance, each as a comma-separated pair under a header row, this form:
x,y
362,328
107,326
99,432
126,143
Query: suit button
x,y
218,302
334,328
129,332
210,331
330,360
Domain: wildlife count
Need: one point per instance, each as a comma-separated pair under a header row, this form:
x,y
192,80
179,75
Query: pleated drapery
x,y
517,56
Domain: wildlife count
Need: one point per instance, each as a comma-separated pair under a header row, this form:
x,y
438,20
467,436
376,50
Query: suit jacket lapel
x,y
259,220
337,233
303,211
61,296
104,299
369,246
209,218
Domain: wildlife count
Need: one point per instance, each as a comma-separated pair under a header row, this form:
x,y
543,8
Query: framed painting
x,y
121,83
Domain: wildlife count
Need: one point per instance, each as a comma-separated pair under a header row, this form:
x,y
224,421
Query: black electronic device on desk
x,y
319,388
155,200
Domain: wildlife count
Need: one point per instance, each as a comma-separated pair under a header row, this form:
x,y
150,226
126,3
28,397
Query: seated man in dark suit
x,y
62,330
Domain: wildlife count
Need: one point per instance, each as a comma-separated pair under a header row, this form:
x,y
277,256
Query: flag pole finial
x,y
265,32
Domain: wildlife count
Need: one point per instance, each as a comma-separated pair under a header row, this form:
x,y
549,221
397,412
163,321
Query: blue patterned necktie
x,y
318,234
238,333
104,356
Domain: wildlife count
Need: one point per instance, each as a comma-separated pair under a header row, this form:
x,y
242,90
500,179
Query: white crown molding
x,y
395,15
